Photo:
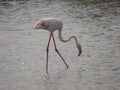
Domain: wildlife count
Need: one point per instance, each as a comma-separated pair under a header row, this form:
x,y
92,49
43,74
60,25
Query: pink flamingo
x,y
53,24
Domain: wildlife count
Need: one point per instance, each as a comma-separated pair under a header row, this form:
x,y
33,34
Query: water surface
x,y
23,50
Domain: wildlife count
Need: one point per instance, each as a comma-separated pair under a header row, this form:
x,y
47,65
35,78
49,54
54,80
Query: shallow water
x,y
23,50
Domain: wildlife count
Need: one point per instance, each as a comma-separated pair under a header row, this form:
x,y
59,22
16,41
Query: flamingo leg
x,y
58,51
47,51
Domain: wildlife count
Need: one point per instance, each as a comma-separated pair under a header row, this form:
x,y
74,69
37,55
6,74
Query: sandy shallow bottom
x,y
23,50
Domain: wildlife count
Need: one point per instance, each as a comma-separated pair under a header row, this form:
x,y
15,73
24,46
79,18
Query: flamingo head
x,y
79,49
39,25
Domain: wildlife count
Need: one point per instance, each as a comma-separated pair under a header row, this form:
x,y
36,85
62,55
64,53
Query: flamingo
x,y
53,24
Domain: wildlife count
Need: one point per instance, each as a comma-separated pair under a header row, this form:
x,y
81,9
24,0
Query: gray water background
x,y
23,50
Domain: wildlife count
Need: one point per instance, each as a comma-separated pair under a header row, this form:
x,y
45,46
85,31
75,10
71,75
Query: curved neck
x,y
61,39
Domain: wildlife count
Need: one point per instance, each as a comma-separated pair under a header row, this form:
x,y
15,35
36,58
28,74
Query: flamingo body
x,y
50,24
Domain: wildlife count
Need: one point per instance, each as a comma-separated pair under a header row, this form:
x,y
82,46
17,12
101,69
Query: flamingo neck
x,y
61,39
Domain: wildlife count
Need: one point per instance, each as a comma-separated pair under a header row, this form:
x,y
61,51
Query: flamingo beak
x,y
80,51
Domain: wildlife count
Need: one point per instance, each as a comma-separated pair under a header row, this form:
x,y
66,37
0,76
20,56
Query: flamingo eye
x,y
43,24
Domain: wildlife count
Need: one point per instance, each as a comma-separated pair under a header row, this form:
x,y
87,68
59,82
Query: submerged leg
x,y
58,51
47,51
